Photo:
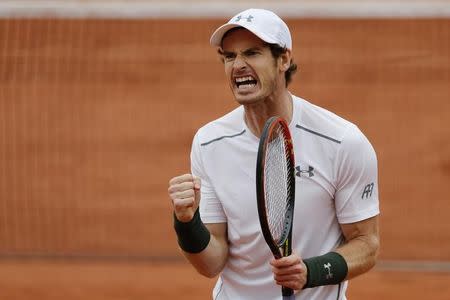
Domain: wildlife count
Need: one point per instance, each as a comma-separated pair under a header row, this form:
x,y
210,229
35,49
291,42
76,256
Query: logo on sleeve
x,y
368,189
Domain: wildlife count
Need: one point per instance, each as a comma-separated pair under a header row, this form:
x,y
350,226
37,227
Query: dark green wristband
x,y
327,269
193,236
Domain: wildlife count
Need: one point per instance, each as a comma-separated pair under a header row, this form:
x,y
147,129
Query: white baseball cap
x,y
263,23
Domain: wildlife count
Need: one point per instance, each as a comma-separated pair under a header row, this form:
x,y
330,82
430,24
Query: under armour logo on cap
x,y
249,18
263,23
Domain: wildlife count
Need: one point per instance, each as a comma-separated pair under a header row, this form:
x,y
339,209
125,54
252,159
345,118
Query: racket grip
x,y
290,297
287,292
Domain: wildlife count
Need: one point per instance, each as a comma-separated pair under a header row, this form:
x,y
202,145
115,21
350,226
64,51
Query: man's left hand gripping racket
x,y
275,189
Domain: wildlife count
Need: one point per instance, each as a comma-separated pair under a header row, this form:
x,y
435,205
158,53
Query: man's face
x,y
252,71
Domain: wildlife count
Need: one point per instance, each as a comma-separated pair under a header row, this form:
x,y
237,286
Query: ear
x,y
220,54
285,60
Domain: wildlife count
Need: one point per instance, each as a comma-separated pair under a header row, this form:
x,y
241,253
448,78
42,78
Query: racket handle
x,y
291,297
287,293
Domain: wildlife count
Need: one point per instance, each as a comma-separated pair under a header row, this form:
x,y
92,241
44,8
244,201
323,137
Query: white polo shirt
x,y
336,182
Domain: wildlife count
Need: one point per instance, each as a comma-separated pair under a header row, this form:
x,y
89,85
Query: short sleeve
x,y
356,195
211,210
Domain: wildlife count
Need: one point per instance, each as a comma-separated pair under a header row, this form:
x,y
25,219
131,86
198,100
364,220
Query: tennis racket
x,y
275,189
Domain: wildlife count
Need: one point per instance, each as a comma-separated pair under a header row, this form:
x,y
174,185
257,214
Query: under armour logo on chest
x,y
301,173
248,18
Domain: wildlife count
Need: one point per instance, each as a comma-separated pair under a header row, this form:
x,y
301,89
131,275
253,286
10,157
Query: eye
x,y
251,52
228,56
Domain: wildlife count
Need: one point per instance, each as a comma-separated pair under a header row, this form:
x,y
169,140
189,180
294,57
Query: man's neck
x,y
276,105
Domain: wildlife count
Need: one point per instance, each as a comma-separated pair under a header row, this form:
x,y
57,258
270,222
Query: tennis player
x,y
335,231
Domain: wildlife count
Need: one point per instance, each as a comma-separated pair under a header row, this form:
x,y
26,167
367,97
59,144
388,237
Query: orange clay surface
x,y
44,280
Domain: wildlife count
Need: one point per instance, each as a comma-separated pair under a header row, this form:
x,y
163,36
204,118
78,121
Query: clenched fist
x,y
184,191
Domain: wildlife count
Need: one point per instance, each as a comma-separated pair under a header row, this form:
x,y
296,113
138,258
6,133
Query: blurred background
x,y
99,102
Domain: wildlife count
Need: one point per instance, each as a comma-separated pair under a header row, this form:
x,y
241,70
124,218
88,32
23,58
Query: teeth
x,y
243,86
242,79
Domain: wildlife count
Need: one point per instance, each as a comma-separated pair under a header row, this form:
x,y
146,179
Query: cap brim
x,y
217,36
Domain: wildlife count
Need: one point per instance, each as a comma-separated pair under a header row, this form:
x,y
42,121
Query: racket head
x,y
275,185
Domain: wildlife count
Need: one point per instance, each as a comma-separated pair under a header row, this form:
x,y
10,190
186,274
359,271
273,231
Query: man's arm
x,y
359,255
205,246
212,259
362,246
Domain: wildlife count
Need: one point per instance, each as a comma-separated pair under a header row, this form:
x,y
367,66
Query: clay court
x,y
96,115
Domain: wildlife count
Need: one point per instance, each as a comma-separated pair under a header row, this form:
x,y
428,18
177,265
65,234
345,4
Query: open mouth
x,y
245,82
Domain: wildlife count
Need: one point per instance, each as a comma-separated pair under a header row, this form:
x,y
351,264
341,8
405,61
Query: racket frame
x,y
284,247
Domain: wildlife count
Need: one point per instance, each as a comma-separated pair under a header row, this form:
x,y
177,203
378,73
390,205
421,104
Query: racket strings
x,y
276,174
